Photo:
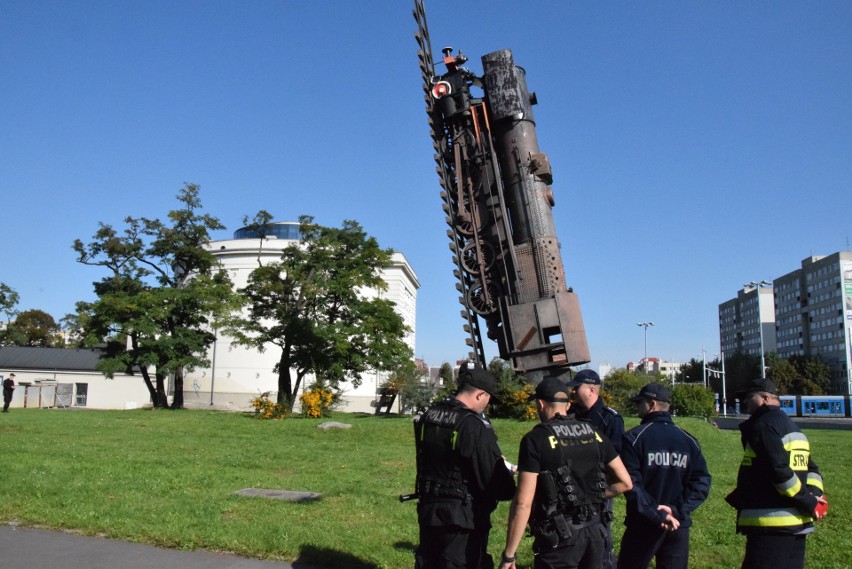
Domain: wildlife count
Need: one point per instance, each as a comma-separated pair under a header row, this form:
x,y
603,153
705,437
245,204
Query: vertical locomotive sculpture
x,y
497,199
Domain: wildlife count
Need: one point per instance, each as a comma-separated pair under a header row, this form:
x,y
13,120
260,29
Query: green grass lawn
x,y
168,478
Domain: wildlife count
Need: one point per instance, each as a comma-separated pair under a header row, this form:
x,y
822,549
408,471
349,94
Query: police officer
x,y
779,489
670,480
566,472
589,406
461,475
8,390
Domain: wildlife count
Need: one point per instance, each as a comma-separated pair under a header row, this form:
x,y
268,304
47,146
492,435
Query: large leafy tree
x,y
34,328
310,305
799,375
164,295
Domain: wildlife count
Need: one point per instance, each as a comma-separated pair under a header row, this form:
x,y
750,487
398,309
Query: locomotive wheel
x,y
470,256
475,297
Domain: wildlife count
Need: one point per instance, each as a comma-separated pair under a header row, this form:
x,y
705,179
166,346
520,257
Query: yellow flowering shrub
x,y
316,401
514,402
265,408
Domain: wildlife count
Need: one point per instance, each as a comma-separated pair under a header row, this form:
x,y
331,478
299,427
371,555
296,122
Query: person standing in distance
x,y
8,390
779,489
589,406
670,481
566,473
461,475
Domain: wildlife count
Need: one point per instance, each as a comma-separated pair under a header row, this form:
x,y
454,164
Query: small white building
x,y
59,377
238,374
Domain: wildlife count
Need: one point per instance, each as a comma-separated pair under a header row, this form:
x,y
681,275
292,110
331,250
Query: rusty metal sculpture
x,y
497,199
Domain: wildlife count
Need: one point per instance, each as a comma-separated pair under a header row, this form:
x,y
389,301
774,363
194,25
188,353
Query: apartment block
x,y
811,313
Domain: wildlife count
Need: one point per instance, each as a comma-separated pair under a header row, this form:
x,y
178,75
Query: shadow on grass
x,y
405,546
311,557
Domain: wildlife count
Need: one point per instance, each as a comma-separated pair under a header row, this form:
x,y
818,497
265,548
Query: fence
x,y
48,394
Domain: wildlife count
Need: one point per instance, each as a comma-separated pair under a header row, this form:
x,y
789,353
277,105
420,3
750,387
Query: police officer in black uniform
x,y
461,475
566,472
670,480
8,390
589,406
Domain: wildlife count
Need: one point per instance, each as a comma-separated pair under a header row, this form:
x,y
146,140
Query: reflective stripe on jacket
x,y
777,483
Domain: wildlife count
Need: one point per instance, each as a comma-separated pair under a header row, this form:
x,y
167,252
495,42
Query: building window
x,y
82,393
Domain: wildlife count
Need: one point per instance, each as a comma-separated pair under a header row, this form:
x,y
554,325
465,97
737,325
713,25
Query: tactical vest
x,y
561,506
439,473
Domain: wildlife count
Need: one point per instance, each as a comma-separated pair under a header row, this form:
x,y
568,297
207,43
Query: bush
x,y
513,393
693,400
317,401
265,408
620,385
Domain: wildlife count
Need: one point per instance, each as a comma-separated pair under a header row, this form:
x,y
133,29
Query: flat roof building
x,y
811,315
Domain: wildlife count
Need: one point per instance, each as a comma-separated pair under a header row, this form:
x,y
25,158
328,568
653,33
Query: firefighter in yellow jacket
x,y
779,491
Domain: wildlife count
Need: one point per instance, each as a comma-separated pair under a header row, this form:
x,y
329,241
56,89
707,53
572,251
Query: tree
x,y
620,385
34,328
416,392
8,301
799,375
693,400
311,306
164,294
692,372
73,325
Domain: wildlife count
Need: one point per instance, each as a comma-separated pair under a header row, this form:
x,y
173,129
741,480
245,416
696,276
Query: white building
x,y
238,374
58,377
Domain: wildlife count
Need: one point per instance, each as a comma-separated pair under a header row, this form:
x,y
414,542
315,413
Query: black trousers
x,y
641,543
453,548
584,550
774,552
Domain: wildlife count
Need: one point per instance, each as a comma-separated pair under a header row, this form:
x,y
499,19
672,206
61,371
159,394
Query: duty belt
x,y
439,490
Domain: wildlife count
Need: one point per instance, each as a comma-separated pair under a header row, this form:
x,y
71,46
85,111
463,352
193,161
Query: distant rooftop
x,y
21,358
277,229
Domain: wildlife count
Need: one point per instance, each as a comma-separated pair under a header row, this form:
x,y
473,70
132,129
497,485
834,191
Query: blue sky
x,y
695,145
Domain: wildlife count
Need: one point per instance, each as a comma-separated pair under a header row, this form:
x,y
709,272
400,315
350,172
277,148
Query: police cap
x,y
759,385
473,375
653,391
548,390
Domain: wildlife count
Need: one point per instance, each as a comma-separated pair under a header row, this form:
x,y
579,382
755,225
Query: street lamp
x,y
721,375
757,286
645,325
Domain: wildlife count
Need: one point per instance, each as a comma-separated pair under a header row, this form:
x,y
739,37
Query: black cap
x,y
653,391
548,388
473,375
587,376
758,385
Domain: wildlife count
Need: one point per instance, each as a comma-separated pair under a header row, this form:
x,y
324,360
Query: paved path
x,y
25,548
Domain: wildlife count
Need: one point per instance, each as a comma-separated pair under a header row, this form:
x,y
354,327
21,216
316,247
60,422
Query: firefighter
x,y
779,489
566,472
588,406
461,475
670,480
